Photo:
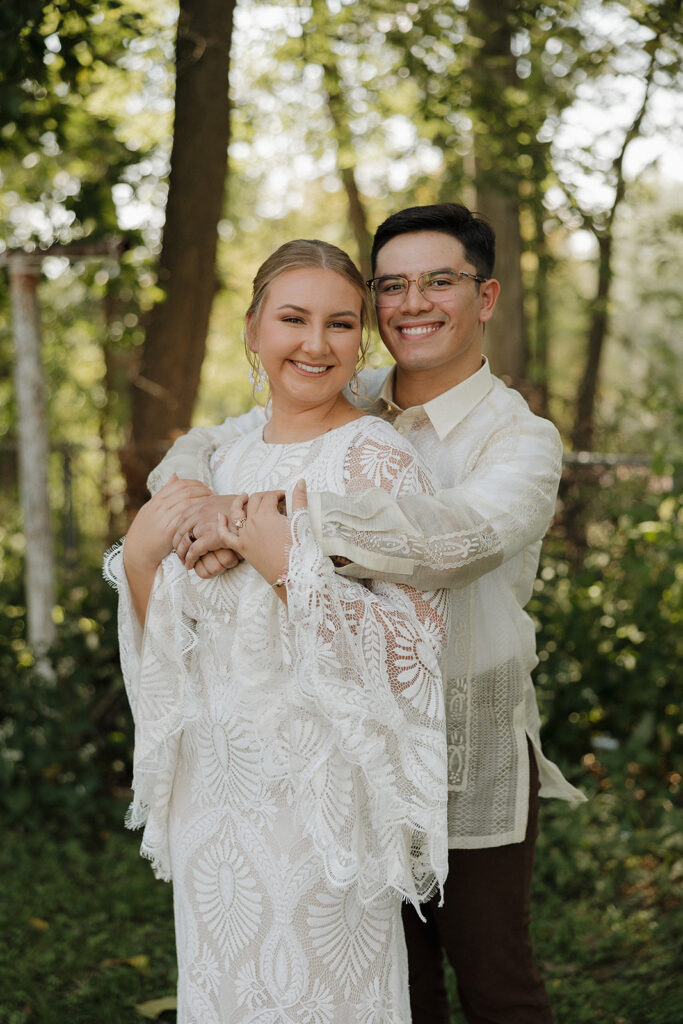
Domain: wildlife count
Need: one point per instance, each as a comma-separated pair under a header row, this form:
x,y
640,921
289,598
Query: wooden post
x,y
24,273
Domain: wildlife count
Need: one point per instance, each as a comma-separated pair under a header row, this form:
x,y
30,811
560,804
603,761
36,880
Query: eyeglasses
x,y
436,284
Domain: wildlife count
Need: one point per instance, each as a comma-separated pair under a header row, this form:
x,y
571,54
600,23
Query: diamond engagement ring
x,y
239,523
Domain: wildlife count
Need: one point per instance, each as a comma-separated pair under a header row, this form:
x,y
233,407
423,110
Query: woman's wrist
x,y
138,562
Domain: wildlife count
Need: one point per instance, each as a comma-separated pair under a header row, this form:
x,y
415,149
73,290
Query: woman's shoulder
x,y
378,456
375,430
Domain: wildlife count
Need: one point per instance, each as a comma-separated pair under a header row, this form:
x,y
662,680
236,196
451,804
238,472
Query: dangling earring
x,y
257,377
354,383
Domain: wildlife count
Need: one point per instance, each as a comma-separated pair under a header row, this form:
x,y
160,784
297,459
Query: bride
x,y
290,757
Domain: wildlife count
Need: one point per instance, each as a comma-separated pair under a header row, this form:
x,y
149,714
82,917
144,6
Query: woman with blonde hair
x,y
290,758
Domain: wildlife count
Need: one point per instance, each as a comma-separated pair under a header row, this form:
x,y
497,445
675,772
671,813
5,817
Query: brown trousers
x,y
483,928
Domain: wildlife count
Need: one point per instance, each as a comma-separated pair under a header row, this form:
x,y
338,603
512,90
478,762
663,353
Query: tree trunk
x,y
537,361
346,164
166,387
358,221
584,426
32,433
505,337
497,181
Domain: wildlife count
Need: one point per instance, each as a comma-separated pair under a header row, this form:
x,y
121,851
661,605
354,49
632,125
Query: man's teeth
x,y
308,368
417,331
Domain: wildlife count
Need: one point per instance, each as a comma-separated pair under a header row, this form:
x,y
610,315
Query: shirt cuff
x,y
326,517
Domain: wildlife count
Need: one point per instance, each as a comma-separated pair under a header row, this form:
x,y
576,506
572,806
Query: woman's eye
x,y
292,320
341,324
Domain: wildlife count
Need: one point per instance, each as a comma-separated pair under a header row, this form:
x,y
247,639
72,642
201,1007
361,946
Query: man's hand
x,y
150,537
214,563
196,540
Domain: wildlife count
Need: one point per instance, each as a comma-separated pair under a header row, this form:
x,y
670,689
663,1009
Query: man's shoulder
x,y
506,404
372,380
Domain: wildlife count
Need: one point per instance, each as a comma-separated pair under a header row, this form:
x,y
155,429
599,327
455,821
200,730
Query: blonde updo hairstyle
x,y
297,255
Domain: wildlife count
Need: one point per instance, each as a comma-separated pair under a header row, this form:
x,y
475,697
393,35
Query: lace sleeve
x,y
364,708
162,695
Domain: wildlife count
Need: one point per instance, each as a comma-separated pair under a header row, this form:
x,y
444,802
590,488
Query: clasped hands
x,y
187,517
228,528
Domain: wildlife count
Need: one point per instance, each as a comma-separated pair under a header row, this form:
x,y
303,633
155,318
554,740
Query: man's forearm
x,y
442,540
189,456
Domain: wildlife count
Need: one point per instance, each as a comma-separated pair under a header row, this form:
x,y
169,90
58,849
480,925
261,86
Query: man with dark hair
x,y
498,466
473,232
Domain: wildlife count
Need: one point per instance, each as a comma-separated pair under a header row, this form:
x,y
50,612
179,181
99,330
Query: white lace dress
x,y
290,762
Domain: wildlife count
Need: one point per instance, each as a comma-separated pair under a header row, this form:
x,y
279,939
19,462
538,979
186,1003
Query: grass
x,y
86,932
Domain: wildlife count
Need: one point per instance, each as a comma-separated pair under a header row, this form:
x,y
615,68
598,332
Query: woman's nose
x,y
315,340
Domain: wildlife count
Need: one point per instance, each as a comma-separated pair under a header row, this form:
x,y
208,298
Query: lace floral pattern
x,y
291,761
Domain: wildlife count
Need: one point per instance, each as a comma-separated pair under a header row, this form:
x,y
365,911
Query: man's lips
x,y
418,331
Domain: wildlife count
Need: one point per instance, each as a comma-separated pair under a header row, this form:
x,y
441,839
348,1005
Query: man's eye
x,y
439,282
394,285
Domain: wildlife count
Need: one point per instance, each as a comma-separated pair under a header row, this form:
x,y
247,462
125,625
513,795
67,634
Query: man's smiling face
x,y
434,337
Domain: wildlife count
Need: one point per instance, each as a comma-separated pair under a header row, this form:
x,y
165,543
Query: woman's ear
x,y
250,332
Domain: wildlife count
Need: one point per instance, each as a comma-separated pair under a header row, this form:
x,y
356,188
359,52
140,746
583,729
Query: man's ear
x,y
488,296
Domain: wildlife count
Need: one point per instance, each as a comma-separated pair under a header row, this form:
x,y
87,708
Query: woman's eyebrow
x,y
302,309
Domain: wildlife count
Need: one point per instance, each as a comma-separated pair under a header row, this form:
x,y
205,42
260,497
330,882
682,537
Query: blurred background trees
x,y
556,121
152,153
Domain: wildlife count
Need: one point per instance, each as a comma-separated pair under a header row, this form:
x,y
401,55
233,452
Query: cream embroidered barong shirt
x,y
499,467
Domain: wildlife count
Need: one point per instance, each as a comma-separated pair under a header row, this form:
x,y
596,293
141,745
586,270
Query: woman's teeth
x,y
308,368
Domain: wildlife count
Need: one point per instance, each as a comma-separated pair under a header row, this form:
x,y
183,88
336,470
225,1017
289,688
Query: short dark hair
x,y
474,233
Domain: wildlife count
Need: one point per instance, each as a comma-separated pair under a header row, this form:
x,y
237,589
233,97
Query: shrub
x,y
609,640
65,730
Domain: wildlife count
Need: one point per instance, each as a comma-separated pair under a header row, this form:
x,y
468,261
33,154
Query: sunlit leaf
x,y
38,924
155,1007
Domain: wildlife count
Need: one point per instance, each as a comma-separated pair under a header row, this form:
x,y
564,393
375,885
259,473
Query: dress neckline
x,y
299,444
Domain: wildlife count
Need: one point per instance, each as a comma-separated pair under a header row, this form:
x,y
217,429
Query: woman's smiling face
x,y
307,335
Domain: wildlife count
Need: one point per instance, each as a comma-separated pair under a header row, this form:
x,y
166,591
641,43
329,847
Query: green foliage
x,y
610,639
85,925
607,911
84,928
65,729
607,919
86,933
57,59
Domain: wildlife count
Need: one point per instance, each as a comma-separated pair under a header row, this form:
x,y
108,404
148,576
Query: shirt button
x,y
401,430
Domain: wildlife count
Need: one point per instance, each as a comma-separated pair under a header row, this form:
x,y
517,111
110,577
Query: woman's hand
x,y
260,532
150,537
263,536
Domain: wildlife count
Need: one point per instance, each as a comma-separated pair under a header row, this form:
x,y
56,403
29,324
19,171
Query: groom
x,y
498,467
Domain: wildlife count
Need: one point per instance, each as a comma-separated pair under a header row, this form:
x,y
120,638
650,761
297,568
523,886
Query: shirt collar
x,y
450,408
